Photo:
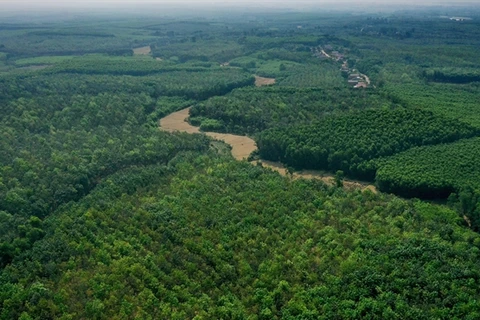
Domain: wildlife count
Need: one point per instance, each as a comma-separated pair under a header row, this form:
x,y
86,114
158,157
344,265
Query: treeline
x,y
325,75
452,75
267,42
196,49
347,142
192,85
69,33
119,66
298,53
252,110
457,101
207,237
28,44
292,69
41,61
431,172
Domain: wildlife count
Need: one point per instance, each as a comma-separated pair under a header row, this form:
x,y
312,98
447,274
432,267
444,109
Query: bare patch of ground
x,y
260,81
326,177
144,51
176,122
243,146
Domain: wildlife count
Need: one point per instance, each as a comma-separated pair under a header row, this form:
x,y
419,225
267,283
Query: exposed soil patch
x,y
145,51
176,122
260,81
243,146
326,177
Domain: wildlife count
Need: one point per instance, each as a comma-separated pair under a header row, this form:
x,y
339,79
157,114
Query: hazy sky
x,y
37,6
283,3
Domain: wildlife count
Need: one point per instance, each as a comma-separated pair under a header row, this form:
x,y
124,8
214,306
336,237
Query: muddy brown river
x,y
243,146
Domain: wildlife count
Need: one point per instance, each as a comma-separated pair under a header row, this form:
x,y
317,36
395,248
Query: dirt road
x,y
243,146
326,54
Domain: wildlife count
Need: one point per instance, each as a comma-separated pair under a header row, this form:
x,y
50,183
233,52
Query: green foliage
x,y
438,46
130,66
324,76
191,85
339,175
296,53
64,134
347,142
431,172
81,145
453,75
246,62
35,42
104,217
452,100
214,238
211,125
252,110
255,42
467,203
46,60
202,50
166,105
272,68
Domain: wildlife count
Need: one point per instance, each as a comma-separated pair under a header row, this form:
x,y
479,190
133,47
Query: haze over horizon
x,y
106,4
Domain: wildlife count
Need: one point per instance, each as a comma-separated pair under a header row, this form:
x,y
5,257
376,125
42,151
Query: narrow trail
x,y
242,146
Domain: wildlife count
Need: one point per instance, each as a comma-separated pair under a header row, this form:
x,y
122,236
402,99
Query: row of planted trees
x,y
351,141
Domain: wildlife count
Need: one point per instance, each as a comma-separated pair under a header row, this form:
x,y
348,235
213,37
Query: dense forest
x,y
431,171
105,216
347,142
250,111
205,237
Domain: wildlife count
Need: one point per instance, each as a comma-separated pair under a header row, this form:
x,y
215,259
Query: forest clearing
x,y
142,51
261,81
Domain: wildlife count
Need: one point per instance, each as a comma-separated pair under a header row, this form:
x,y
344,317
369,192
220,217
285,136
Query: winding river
x,y
242,146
